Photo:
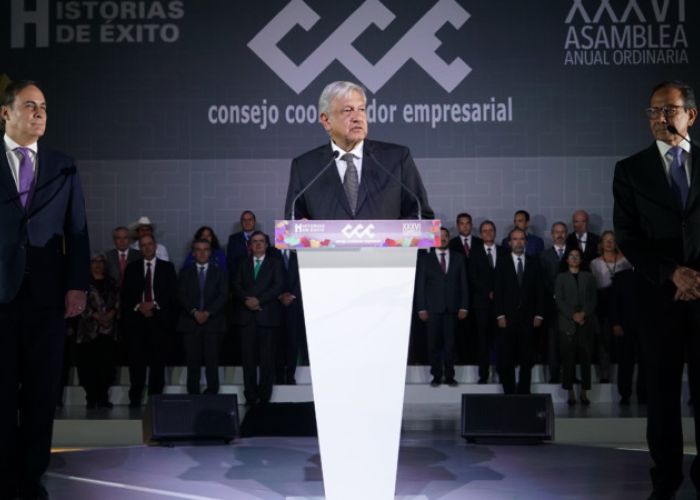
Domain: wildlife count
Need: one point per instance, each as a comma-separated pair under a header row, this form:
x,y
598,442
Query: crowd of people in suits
x,y
520,303
138,308
501,306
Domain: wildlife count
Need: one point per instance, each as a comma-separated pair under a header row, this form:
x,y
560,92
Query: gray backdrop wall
x,y
190,111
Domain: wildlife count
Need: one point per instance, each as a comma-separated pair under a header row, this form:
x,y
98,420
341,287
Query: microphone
x,y
674,131
398,179
312,181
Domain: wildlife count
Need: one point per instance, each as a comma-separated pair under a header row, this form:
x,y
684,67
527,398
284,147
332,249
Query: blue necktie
x,y
202,280
679,181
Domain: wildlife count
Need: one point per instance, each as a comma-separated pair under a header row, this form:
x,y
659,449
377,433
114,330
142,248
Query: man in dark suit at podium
x,y
44,273
657,225
359,179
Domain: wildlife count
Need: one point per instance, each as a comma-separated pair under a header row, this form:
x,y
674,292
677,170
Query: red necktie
x,y
466,247
443,262
148,288
122,266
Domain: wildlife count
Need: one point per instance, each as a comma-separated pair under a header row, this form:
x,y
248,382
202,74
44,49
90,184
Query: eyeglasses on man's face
x,y
667,111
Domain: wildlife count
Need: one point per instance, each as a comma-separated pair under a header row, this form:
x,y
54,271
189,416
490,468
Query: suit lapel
x,y
331,182
8,188
47,182
653,174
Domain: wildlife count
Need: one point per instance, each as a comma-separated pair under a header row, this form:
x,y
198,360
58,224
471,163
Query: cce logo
x,y
419,43
358,231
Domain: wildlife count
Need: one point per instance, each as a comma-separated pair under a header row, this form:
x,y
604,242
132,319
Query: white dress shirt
x,y
14,157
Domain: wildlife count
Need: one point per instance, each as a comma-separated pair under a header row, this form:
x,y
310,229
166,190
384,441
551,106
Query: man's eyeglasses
x,y
667,111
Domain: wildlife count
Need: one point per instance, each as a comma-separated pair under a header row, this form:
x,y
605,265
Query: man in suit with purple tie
x,y
44,275
657,226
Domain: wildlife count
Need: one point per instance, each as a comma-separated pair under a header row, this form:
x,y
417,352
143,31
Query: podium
x,y
357,280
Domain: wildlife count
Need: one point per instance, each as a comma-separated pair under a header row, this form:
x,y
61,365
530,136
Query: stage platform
x,y
435,463
604,422
598,451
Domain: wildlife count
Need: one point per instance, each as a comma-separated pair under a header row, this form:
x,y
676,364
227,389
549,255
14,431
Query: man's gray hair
x,y
337,89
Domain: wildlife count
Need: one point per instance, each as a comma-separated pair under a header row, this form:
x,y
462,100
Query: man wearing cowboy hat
x,y
142,227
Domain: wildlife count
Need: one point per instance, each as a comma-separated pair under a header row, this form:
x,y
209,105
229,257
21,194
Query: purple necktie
x,y
26,176
679,181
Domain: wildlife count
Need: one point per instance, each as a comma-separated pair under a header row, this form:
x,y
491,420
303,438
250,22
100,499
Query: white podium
x,y
357,305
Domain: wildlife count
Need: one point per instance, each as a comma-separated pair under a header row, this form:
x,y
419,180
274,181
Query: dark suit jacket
x,y
574,295
236,250
380,196
164,290
456,246
519,304
482,277
654,232
437,292
535,245
266,288
112,259
551,267
591,252
215,298
49,239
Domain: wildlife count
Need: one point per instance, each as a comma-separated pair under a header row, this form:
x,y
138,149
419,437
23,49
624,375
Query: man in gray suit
x,y
202,292
350,177
121,255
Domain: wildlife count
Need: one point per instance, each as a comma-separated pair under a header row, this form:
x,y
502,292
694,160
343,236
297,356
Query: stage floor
x,y
432,465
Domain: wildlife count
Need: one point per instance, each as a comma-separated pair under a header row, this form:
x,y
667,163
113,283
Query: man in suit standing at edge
x,y
44,273
442,298
365,181
657,226
519,303
257,285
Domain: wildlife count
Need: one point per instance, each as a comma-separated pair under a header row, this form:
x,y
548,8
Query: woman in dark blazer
x,y
576,297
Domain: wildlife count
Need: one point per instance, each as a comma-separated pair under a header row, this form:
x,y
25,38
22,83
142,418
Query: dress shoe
x,y
451,382
91,405
585,401
135,404
604,380
435,382
625,401
571,401
483,381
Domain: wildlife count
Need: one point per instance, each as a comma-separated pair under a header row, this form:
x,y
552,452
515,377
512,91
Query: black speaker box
x,y
171,418
280,419
507,417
